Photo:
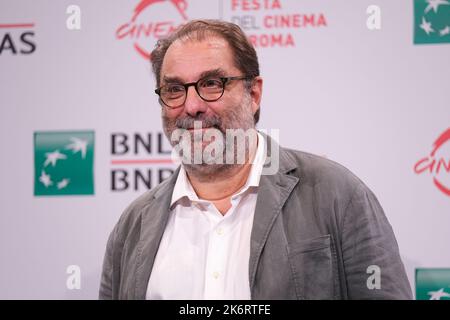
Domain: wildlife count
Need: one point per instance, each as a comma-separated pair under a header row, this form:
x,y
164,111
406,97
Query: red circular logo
x,y
146,27
434,165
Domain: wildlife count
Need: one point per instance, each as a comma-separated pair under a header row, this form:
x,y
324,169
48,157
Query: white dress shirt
x,y
204,254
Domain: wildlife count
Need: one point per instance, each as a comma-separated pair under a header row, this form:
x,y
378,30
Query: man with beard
x,y
220,228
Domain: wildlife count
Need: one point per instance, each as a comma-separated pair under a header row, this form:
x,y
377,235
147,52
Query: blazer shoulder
x,y
316,171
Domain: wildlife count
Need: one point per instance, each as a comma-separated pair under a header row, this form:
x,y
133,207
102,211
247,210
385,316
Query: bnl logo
x,y
433,284
63,163
139,161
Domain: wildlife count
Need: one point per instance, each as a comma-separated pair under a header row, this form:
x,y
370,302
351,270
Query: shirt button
x,y
219,231
216,275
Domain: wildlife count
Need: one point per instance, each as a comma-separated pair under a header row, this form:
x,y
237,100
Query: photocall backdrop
x,y
364,83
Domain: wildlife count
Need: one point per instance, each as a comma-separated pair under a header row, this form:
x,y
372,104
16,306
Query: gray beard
x,y
207,169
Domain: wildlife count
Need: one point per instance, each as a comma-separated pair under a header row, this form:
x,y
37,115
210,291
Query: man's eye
x,y
174,89
211,83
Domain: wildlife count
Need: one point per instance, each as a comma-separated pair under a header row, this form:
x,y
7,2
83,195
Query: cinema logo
x,y
139,161
17,38
152,20
437,164
269,24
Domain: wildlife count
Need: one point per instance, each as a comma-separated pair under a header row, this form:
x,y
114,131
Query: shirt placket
x,y
217,258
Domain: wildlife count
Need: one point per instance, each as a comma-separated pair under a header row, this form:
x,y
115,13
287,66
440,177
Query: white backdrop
x,y
371,100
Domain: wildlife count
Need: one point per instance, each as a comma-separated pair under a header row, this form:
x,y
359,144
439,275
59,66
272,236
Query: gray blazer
x,y
317,228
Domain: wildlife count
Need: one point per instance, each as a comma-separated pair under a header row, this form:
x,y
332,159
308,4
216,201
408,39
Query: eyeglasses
x,y
210,89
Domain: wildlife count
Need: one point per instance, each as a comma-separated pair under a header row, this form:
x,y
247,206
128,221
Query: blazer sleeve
x,y
106,282
370,250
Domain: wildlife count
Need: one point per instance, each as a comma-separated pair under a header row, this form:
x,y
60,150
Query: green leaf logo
x,y
431,21
64,163
433,284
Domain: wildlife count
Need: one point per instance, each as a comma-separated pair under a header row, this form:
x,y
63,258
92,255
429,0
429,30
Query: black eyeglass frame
x,y
186,86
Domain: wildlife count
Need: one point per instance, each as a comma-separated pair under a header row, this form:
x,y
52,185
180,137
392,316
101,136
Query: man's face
x,y
191,60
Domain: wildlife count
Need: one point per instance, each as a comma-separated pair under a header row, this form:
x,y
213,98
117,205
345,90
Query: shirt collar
x,y
183,187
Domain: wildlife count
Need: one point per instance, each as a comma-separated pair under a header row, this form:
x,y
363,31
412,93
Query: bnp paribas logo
x,y
431,21
433,284
63,163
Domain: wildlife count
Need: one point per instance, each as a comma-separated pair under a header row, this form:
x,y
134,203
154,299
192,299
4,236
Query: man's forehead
x,y
192,57
207,41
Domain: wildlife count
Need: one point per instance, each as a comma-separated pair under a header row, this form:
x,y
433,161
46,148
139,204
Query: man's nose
x,y
194,105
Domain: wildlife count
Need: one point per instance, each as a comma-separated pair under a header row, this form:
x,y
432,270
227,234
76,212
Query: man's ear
x,y
256,93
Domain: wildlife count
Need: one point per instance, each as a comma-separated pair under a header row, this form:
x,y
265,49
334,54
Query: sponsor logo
x,y
152,20
431,21
433,284
437,164
17,38
63,163
139,161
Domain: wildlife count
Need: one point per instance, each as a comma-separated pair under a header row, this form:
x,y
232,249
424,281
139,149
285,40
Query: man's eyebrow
x,y
209,73
167,79
212,73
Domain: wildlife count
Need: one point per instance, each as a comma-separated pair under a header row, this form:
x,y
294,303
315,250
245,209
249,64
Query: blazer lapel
x,y
272,194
